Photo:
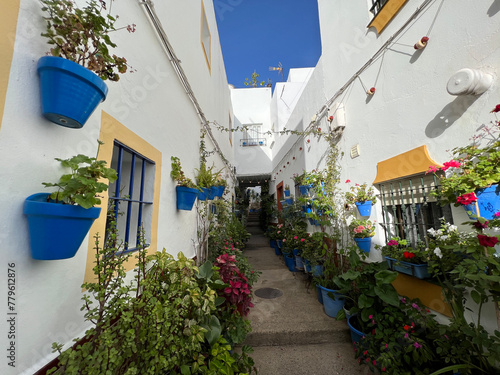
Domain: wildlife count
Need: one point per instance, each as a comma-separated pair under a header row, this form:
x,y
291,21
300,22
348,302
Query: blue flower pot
x,y
304,189
186,197
299,263
69,92
356,335
280,244
287,193
277,251
364,208
420,271
56,230
317,270
212,191
290,263
289,201
273,243
307,266
364,244
203,194
330,305
488,201
320,295
220,191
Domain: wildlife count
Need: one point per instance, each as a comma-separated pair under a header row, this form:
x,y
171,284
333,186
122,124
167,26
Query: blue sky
x,y
257,34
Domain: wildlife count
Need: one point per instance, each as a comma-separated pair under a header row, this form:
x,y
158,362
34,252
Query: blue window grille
x,y
132,195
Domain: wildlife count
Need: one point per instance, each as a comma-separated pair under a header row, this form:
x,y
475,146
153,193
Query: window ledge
x,y
386,14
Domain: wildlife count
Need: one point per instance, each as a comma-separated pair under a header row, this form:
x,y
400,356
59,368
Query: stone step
x,y
320,359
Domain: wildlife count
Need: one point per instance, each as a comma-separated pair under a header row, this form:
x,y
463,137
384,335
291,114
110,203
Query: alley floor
x,y
291,334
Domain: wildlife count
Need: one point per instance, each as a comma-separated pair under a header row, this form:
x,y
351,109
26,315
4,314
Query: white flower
x,y
438,252
443,238
431,231
452,228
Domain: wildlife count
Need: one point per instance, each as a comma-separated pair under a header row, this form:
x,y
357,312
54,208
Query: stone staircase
x,y
291,334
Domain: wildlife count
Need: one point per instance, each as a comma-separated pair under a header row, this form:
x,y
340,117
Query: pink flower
x,y
496,214
450,164
417,345
302,239
295,238
480,225
432,169
393,243
347,181
496,109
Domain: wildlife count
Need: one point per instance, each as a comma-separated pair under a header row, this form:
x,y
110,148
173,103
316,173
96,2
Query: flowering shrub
x,y
238,291
472,167
360,193
398,249
362,228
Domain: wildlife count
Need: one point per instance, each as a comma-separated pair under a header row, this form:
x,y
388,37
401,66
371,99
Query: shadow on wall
x,y
448,115
494,8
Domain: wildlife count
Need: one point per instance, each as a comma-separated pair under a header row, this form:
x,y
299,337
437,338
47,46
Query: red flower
x,y
451,164
496,109
467,198
347,181
487,241
480,225
330,118
406,327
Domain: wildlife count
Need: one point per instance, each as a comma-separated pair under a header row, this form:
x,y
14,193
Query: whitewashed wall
x,y
252,106
151,103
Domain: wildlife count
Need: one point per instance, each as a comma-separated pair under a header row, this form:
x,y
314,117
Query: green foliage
x,y
472,167
82,35
362,228
206,177
82,185
398,249
178,175
254,81
361,194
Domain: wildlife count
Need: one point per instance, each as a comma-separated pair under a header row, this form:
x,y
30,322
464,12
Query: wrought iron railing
x,y
377,6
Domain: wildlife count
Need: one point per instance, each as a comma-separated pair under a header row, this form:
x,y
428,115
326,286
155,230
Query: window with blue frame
x,y
132,195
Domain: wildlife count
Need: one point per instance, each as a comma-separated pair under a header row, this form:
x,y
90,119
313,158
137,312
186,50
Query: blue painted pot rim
x,y
186,197
60,63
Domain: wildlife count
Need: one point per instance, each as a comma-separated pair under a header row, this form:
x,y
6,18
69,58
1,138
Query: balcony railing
x,y
377,6
246,142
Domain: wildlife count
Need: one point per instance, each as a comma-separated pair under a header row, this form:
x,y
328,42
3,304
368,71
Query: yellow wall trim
x,y
111,130
204,21
386,14
430,295
8,26
407,164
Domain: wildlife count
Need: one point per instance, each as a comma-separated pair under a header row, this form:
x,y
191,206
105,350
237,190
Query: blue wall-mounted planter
x,y
220,191
287,193
420,271
186,197
212,192
203,194
488,201
364,208
69,92
304,189
56,230
364,244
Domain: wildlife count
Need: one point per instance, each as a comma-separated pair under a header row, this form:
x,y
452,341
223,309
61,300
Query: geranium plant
x,y
398,249
82,35
362,228
361,194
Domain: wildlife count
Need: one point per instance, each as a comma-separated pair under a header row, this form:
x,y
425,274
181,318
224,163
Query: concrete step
x,y
320,359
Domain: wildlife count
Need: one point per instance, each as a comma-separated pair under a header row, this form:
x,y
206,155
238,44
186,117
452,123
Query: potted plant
x,y
72,77
363,197
406,259
471,180
221,184
59,221
186,190
206,180
363,231
287,190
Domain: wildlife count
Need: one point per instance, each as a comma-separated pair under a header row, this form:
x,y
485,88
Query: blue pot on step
x,y
317,270
356,335
290,262
332,305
